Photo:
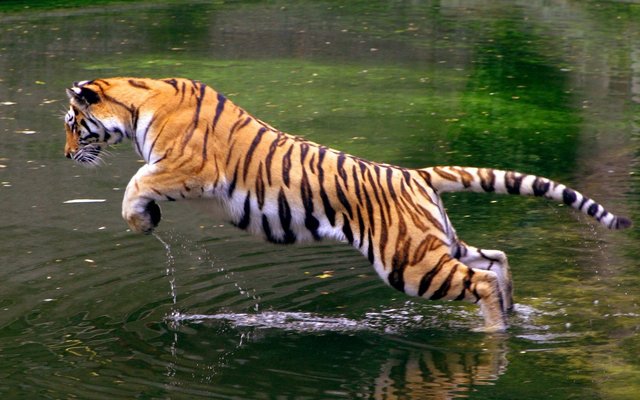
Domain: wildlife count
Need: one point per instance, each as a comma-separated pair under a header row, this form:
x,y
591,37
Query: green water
x,y
90,310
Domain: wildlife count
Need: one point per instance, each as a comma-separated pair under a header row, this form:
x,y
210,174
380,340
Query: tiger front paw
x,y
143,219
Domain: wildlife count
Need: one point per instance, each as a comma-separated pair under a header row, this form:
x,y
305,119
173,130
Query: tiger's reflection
x,y
439,374
397,367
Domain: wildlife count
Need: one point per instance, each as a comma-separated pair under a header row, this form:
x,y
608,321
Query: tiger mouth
x,y
89,155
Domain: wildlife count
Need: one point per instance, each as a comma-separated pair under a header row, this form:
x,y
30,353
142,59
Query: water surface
x,y
90,310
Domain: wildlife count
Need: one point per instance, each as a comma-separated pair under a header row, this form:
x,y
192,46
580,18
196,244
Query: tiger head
x,y
90,124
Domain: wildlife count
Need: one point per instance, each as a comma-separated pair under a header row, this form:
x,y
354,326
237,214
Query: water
x,y
201,310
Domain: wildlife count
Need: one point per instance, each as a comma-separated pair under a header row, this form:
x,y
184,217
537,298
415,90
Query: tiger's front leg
x,y
142,218
146,187
139,208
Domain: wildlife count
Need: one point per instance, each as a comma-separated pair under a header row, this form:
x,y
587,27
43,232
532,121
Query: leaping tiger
x,y
198,144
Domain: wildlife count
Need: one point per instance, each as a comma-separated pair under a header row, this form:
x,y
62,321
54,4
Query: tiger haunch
x,y
198,144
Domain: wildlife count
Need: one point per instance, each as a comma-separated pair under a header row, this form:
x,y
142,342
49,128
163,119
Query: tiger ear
x,y
83,97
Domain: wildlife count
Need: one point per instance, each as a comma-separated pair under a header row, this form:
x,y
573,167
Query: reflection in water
x,y
439,374
408,371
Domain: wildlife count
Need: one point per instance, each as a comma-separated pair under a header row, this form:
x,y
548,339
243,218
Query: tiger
x,y
197,144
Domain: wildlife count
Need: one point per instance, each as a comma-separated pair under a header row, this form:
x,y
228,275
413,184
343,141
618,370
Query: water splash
x,y
281,320
410,316
186,252
170,269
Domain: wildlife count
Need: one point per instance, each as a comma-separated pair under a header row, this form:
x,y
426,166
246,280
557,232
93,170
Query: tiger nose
x,y
68,154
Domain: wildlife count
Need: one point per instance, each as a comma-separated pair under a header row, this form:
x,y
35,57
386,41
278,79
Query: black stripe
x,y
312,165
356,184
146,132
568,196
399,262
234,180
487,179
260,187
361,227
269,159
370,250
369,205
584,201
346,229
383,196
540,186
328,208
284,212
426,280
246,217
89,95
286,166
443,290
130,108
91,133
183,90
204,148
310,222
383,238
304,149
138,84
249,155
396,280
593,209
407,178
219,109
512,182
194,86
603,215
426,176
196,116
363,167
343,198
322,152
166,153
159,132
458,252
390,187
341,170
173,83
135,115
467,284
236,127
266,228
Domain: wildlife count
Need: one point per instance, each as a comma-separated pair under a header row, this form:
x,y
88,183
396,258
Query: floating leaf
x,y
325,275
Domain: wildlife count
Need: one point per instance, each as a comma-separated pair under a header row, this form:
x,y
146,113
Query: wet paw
x,y
143,221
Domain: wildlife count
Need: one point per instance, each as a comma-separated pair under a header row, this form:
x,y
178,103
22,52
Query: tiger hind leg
x,y
490,260
451,279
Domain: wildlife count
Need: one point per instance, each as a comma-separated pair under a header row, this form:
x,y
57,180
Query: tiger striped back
x,y
197,144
